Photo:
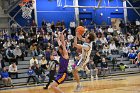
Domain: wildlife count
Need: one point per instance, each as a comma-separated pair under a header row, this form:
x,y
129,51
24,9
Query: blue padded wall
x,y
49,11
111,13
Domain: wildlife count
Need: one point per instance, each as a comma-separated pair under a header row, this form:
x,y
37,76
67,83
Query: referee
x,y
52,69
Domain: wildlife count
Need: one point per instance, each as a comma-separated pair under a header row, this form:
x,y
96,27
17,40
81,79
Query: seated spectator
x,y
132,55
110,30
124,51
33,49
130,38
113,48
103,39
104,66
2,65
10,57
115,31
21,38
33,62
43,62
100,29
48,37
98,43
5,78
6,44
13,42
40,40
109,37
53,26
41,51
54,52
91,66
122,39
105,49
40,73
23,49
42,31
49,29
18,53
47,53
16,37
13,70
31,74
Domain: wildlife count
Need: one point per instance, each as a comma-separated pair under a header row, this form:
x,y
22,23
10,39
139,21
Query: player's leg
x,y
54,85
59,80
96,72
77,78
76,75
75,71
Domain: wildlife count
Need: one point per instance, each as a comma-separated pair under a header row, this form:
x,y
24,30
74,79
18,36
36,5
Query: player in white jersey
x,y
85,57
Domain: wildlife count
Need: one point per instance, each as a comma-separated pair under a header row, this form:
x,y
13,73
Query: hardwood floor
x,y
130,84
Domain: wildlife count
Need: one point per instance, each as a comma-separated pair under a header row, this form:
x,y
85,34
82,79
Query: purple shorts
x,y
61,77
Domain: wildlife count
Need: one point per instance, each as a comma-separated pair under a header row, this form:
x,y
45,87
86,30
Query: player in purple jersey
x,y
64,59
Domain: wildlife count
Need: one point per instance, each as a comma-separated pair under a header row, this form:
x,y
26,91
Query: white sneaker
x,y
36,84
92,78
78,88
96,77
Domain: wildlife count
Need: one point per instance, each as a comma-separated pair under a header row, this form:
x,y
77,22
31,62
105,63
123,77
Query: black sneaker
x,y
45,87
12,86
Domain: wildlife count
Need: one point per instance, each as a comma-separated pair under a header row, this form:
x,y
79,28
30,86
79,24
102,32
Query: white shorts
x,y
81,65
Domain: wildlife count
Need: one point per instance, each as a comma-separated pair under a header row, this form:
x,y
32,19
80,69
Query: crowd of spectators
x,y
34,41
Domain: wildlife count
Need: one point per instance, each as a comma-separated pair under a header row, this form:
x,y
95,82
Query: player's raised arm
x,y
58,41
64,46
78,46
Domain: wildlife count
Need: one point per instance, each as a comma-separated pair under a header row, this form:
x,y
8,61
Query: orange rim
x,y
21,4
26,1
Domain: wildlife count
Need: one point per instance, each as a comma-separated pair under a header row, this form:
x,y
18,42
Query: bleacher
x,y
23,67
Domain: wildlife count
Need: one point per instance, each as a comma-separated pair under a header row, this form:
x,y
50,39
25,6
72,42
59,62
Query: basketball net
x,y
26,8
59,3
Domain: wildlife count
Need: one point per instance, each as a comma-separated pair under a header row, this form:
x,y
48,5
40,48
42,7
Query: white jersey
x,y
86,51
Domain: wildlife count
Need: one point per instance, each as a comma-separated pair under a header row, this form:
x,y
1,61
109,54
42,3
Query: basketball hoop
x,y
59,3
26,7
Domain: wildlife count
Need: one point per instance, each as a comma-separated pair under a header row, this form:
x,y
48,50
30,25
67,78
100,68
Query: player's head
x,y
90,37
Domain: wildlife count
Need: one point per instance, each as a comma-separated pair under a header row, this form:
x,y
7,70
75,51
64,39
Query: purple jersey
x,y
63,65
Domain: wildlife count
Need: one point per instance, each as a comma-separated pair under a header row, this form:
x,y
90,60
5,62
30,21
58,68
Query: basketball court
x,y
127,84
42,15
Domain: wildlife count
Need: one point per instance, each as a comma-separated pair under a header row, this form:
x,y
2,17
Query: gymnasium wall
x,y
48,10
107,13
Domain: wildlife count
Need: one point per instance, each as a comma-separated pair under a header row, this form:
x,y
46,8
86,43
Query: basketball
x,y
80,30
